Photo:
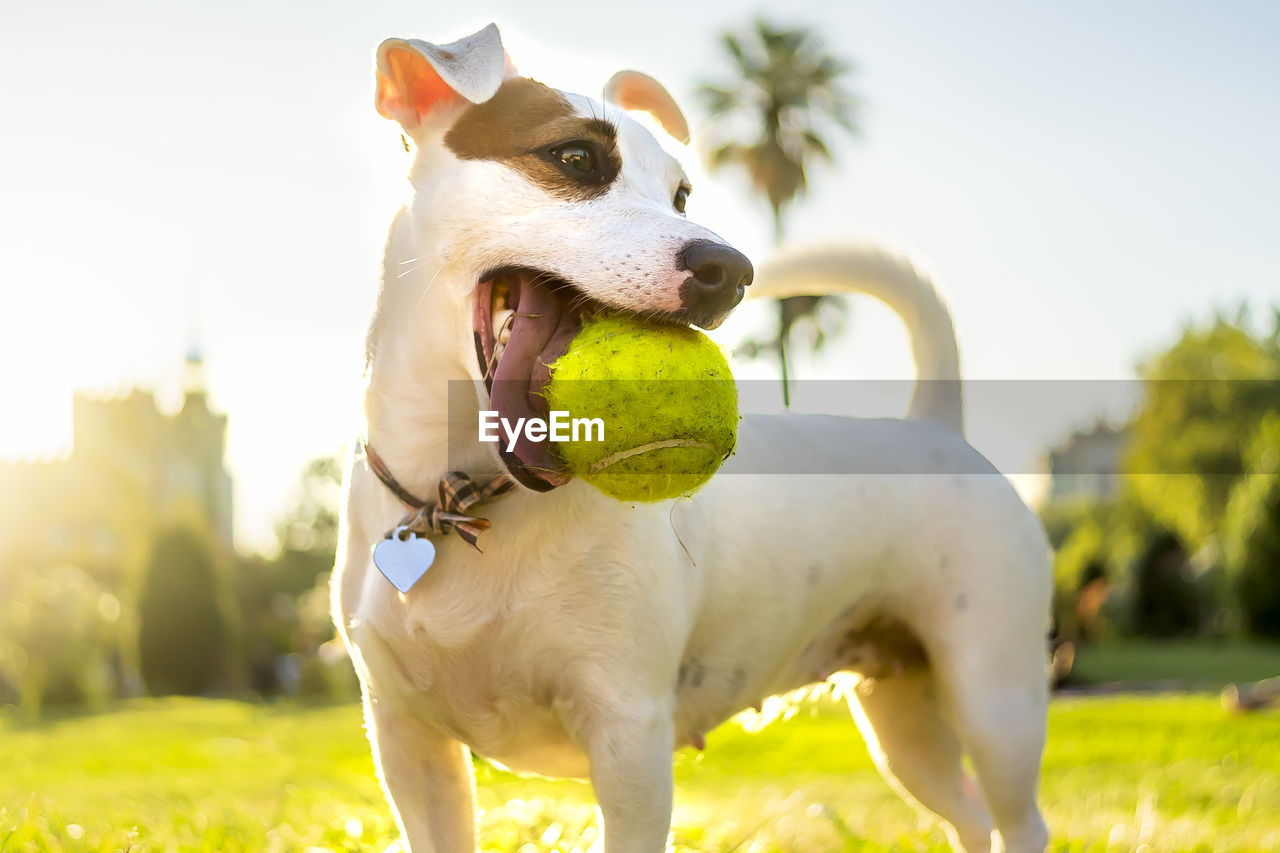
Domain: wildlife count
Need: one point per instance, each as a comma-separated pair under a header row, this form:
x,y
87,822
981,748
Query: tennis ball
x,y
667,401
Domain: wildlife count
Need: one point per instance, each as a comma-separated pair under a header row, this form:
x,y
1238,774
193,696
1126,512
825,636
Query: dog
x,y
586,636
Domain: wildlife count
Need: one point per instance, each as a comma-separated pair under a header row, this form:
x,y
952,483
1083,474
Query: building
x,y
1089,465
132,468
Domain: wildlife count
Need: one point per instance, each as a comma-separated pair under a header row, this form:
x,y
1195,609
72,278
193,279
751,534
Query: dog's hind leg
x,y
918,753
428,779
1001,723
996,691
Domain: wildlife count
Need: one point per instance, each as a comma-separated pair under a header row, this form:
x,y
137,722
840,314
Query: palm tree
x,y
788,88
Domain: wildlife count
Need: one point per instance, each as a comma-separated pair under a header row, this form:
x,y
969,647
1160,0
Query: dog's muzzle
x,y
542,314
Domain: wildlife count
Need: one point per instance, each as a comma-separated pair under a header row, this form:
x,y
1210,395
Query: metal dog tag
x,y
403,561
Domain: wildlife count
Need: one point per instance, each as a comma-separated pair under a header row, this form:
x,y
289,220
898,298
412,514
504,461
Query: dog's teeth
x,y
502,324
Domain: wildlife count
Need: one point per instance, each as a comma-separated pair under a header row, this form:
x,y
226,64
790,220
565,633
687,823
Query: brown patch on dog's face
x,y
534,130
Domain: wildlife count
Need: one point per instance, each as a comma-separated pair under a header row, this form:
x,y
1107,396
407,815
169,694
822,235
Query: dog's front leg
x,y
631,767
428,778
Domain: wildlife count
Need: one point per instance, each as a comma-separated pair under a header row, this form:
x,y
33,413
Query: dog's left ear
x,y
417,78
632,90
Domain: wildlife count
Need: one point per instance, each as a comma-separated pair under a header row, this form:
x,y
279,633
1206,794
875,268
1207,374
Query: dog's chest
x,y
483,667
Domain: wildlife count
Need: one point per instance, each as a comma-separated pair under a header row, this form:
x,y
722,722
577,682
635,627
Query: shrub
x,y
57,632
1165,599
1094,567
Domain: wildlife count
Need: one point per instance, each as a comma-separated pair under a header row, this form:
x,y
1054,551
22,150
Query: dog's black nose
x,y
717,268
719,276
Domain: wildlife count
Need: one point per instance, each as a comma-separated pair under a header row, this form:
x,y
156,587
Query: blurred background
x,y
194,199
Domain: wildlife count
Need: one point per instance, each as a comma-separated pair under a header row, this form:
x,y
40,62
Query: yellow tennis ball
x,y
665,397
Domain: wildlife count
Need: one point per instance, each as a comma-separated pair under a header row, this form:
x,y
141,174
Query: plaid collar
x,y
455,494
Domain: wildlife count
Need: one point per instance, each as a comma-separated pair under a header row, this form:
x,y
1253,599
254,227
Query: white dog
x,y
593,637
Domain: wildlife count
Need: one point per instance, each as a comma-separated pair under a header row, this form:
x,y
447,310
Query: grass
x,y
1157,773
1188,663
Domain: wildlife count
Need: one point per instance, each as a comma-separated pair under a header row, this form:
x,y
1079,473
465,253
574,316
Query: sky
x,y
1083,179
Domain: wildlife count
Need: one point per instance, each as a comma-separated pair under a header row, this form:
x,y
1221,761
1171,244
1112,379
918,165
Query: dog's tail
x,y
894,281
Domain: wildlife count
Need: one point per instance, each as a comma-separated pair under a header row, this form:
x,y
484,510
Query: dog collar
x,y
456,493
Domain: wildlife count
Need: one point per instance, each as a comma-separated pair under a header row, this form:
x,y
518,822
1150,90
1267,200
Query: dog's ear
x,y
632,90
417,78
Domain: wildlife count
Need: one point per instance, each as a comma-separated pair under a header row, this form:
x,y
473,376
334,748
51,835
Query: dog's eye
x,y
682,197
578,159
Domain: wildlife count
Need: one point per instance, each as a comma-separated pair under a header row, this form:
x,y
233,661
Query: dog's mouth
x,y
524,321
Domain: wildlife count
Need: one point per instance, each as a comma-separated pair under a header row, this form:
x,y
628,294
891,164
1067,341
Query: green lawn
x,y
1188,663
1157,773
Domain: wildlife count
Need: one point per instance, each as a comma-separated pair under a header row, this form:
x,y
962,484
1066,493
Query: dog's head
x,y
538,205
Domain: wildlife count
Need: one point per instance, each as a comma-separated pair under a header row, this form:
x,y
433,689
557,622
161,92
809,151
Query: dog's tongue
x,y
540,333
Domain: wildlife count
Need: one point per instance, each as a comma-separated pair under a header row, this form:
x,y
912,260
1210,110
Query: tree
x,y
311,524
787,88
185,626
1202,399
268,588
1251,533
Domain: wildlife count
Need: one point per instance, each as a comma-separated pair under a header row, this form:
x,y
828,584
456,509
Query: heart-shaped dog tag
x,y
403,561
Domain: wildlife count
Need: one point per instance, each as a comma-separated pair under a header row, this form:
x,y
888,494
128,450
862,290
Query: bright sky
x,y
1083,178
